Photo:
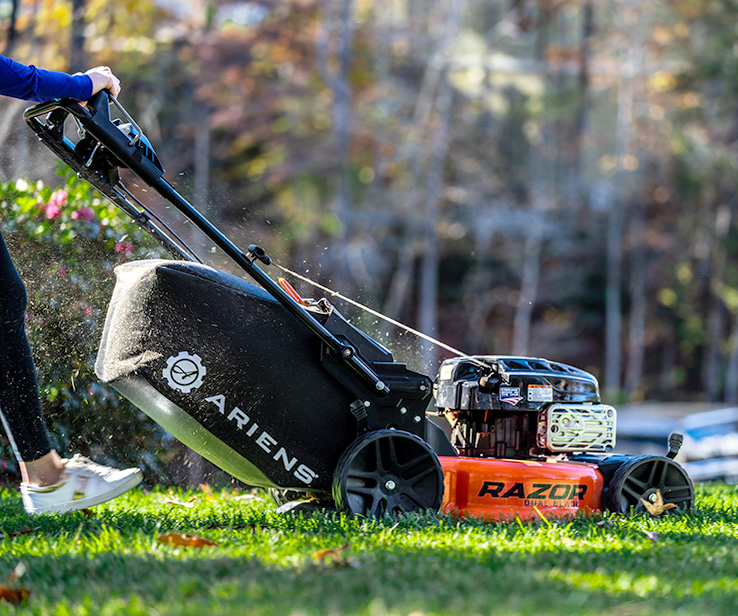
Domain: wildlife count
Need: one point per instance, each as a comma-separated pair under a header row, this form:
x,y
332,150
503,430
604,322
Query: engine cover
x,y
490,382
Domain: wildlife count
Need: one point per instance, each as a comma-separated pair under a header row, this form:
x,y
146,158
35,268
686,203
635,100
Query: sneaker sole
x,y
91,501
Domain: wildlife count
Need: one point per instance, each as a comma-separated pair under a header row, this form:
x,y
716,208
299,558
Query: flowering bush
x,y
65,243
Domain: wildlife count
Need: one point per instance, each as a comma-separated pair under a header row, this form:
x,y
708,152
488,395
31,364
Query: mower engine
x,y
520,407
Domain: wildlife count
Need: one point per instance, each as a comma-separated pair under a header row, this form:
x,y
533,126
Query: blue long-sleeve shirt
x,y
35,84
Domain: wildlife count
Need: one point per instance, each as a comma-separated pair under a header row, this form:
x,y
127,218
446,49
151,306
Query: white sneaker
x,y
83,484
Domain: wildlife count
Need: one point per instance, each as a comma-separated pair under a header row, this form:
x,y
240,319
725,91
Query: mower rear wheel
x,y
386,472
640,479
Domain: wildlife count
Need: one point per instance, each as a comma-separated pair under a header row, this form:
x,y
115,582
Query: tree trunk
x,y
439,147
638,303
576,184
731,381
529,285
428,296
613,318
631,67
12,29
716,310
77,60
338,23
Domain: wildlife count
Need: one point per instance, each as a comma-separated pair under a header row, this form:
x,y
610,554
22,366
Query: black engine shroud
x,y
516,407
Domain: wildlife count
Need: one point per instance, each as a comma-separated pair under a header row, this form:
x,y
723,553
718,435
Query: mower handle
x,y
101,101
138,156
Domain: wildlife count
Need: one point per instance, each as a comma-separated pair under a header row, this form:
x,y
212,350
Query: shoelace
x,y
79,462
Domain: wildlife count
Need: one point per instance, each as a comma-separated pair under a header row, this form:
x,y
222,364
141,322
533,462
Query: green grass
x,y
266,563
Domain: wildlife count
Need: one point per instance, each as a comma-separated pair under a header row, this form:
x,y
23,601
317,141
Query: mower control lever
x,y
675,444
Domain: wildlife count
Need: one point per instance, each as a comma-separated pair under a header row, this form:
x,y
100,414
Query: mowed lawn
x,y
112,562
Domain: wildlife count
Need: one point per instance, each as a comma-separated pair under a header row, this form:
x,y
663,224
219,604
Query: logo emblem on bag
x,y
184,372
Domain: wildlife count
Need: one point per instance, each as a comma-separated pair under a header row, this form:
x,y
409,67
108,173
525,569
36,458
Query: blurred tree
x,y
554,178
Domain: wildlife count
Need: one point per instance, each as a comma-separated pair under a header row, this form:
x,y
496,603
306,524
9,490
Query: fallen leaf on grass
x,y
25,531
185,541
248,497
175,502
335,552
652,535
657,507
15,595
208,492
333,557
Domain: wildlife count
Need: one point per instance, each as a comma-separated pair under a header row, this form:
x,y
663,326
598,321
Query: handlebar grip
x,y
99,103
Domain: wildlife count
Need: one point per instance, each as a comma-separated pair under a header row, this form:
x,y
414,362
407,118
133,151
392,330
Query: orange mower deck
x,y
503,489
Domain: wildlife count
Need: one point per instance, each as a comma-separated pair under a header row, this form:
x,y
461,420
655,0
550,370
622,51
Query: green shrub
x,y
65,243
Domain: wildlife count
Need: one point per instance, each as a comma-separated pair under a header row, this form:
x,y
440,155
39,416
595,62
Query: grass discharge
x,y
266,563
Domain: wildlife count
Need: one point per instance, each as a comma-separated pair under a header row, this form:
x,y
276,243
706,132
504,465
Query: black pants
x,y
20,408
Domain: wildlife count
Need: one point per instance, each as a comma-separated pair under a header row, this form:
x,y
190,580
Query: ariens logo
x,y
184,372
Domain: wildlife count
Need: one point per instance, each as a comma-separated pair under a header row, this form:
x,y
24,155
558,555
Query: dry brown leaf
x,y
657,507
248,497
25,531
334,552
185,541
175,502
208,492
14,595
332,557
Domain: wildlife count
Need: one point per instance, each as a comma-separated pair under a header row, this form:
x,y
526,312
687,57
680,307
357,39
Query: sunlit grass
x,y
266,563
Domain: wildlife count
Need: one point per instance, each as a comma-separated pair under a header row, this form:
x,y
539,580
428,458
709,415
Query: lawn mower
x,y
285,394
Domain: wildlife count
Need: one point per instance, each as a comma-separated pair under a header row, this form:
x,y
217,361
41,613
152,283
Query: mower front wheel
x,y
386,472
641,478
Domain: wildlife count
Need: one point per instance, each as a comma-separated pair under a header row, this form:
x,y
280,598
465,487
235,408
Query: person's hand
x,y
103,78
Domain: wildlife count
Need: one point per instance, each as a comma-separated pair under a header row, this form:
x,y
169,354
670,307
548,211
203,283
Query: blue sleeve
x,y
31,83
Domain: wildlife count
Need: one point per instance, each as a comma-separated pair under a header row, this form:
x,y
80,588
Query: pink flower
x,y
87,311
52,210
124,247
83,213
59,197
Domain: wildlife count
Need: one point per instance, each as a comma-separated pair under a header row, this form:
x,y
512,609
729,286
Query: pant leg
x,y
20,407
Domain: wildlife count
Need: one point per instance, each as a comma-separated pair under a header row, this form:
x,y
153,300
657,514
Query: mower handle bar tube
x,y
128,152
246,261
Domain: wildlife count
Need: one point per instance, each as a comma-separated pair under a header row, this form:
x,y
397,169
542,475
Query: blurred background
x,y
553,178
